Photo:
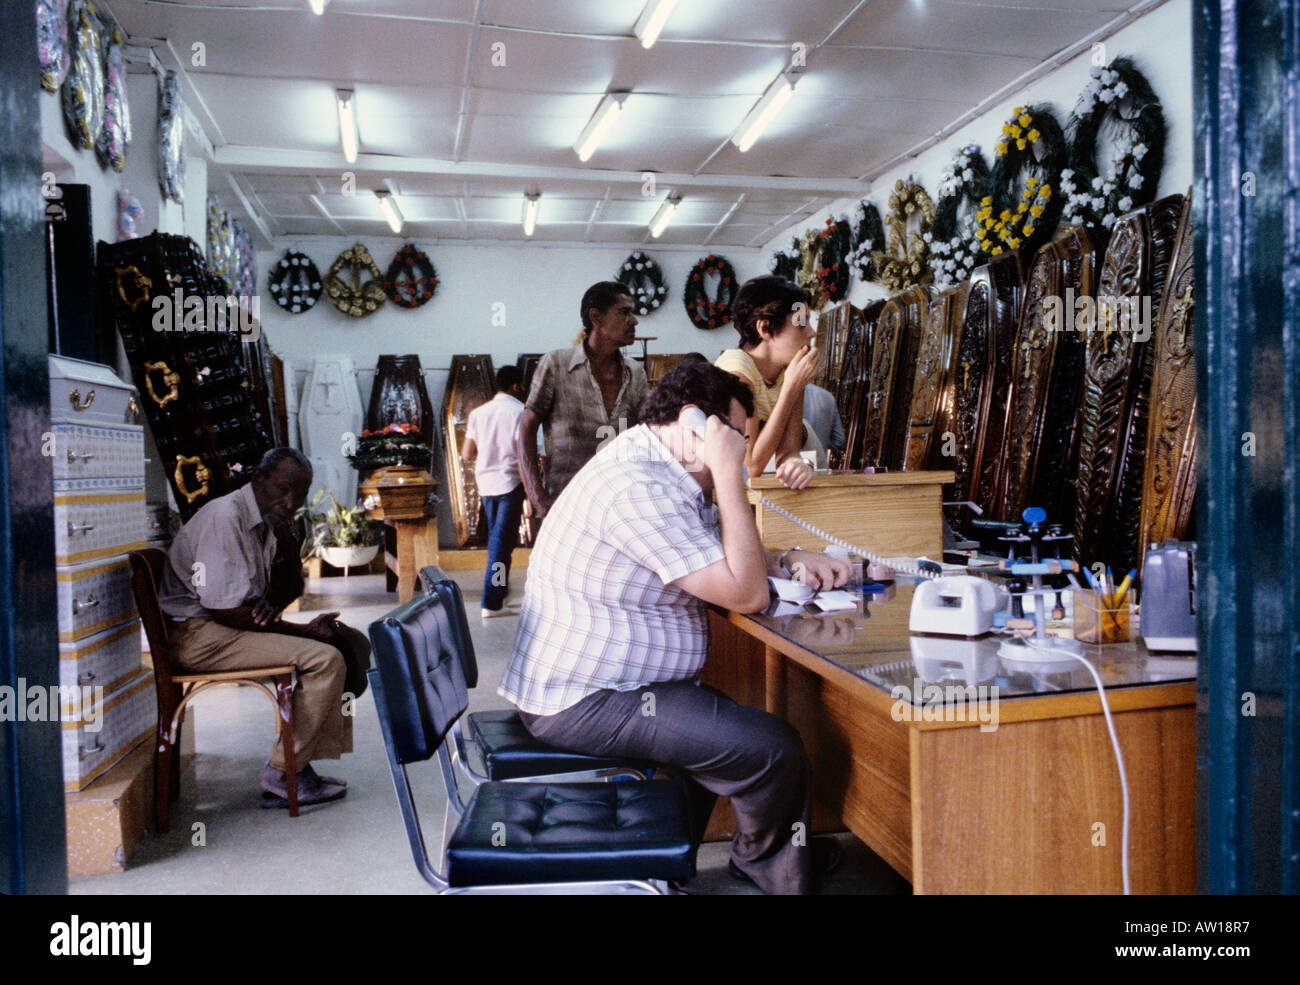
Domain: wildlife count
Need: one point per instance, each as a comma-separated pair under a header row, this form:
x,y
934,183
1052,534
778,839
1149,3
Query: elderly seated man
x,y
614,629
230,572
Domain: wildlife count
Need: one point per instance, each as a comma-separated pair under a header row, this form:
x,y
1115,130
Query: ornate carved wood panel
x,y
1039,453
854,380
1117,380
992,311
889,383
934,384
833,325
1169,481
469,384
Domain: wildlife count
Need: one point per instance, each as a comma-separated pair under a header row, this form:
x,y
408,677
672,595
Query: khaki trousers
x,y
320,729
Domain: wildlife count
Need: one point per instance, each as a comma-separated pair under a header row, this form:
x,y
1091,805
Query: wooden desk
x,y
896,514
1033,806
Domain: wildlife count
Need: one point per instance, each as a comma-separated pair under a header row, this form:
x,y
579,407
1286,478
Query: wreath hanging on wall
x,y
1118,105
295,282
411,279
703,311
641,275
824,270
965,182
115,133
905,261
785,264
52,42
347,291
868,237
171,132
1024,203
83,86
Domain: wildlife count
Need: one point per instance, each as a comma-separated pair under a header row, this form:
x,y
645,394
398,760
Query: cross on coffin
x,y
1030,344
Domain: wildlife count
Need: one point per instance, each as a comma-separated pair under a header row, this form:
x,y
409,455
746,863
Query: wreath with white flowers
x,y
1023,206
411,279
706,312
954,250
785,264
643,278
867,237
1120,105
294,282
906,259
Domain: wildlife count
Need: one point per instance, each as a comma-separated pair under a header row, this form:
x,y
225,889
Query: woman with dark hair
x,y
777,359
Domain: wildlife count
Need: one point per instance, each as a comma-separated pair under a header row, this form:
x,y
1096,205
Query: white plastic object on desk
x,y
960,605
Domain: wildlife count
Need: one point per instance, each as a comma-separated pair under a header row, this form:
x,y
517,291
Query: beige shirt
x,y
221,559
566,398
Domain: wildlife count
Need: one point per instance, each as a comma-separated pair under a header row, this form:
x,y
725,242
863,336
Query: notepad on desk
x,y
790,592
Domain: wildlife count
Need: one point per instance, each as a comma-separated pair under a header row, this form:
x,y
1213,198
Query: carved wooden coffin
x,y
889,383
854,375
399,396
1039,451
1113,411
982,374
469,384
833,325
1169,481
934,383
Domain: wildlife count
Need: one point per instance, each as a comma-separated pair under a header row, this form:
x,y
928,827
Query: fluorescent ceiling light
x,y
651,21
318,6
530,211
665,215
388,206
606,113
347,123
763,113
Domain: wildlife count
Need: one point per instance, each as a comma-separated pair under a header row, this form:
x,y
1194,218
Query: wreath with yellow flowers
x,y
345,288
905,261
1023,206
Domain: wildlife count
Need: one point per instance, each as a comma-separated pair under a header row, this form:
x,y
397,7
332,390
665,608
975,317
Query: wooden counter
x,y
1032,806
892,513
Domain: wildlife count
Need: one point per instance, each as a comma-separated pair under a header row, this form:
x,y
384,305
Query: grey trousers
x,y
724,748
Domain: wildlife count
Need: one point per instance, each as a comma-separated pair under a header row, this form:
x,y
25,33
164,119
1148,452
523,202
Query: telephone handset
x,y
694,419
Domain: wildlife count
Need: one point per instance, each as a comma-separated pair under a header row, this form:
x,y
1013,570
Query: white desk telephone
x,y
695,420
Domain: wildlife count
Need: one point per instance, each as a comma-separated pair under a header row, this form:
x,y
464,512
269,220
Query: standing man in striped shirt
x,y
614,628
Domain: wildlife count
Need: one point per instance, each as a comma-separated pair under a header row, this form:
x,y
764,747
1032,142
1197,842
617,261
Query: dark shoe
x,y
312,789
310,772
320,795
827,855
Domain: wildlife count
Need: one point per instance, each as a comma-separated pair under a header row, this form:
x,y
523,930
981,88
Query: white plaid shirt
x,y
599,612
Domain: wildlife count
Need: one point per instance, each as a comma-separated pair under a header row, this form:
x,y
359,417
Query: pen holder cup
x,y
1097,619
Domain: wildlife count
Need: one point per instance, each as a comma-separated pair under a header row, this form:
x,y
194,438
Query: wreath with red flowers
x,y
704,311
411,279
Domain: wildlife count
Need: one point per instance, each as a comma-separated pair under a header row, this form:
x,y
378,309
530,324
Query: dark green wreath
x,y
786,263
953,255
1026,176
833,275
294,282
641,275
867,238
1118,105
706,312
411,279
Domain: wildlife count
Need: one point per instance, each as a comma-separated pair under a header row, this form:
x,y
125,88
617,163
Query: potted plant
x,y
343,537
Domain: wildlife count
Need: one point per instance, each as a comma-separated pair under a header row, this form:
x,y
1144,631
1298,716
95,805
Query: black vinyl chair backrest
x,y
435,581
420,666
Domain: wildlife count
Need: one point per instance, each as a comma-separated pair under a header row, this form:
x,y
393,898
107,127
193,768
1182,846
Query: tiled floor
x,y
222,841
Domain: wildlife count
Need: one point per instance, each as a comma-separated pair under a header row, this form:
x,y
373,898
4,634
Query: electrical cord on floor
x,y
1114,742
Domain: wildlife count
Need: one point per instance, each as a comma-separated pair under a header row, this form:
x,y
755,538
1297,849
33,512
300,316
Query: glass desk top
x,y
873,643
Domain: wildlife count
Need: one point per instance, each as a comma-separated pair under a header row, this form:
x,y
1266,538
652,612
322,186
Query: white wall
x,y
539,285
1161,45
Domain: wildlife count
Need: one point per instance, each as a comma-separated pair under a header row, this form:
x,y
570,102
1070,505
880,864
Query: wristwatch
x,y
784,566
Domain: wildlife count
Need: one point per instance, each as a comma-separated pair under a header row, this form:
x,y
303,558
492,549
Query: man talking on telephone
x,y
614,629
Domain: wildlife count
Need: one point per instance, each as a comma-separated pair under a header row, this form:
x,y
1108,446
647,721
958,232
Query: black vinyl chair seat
x,y
565,832
509,750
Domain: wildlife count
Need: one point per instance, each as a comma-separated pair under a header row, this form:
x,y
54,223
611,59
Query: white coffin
x,y
330,409
93,597
92,451
107,659
97,518
89,393
96,738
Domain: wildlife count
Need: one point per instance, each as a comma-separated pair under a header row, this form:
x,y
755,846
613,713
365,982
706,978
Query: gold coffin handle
x,y
201,476
170,377
131,275
74,398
